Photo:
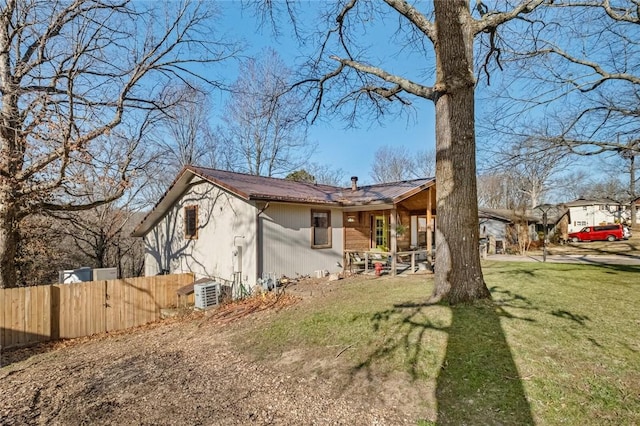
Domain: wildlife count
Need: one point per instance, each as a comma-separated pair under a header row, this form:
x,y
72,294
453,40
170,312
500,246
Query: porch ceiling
x,y
419,201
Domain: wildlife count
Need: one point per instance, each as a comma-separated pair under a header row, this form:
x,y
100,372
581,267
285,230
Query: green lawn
x,y
560,344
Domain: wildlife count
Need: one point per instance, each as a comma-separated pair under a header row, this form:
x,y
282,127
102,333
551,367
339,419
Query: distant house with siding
x,y
590,212
502,227
235,226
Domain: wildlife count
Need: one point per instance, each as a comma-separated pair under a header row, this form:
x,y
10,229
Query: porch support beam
x,y
429,226
394,239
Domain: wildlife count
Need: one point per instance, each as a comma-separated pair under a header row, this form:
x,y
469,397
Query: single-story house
x,y
501,228
239,227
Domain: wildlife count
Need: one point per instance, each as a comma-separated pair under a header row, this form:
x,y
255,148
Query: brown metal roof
x,y
252,187
384,192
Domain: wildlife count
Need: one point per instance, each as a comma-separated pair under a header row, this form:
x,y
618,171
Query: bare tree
x,y
424,163
610,188
392,164
529,171
264,132
362,78
327,175
183,136
43,250
71,75
578,83
497,189
101,236
397,163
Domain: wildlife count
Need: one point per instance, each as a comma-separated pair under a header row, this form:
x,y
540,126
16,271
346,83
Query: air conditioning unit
x,y
206,294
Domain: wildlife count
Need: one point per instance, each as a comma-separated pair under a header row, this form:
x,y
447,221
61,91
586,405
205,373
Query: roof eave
x,y
414,191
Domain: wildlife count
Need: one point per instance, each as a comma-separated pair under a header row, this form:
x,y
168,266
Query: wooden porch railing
x,y
370,257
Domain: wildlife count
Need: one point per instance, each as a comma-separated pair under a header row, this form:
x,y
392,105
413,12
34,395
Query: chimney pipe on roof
x,y
354,183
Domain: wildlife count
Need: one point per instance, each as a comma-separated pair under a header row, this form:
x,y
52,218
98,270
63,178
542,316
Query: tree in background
x,y
527,173
610,188
359,76
577,86
301,176
182,136
327,175
264,131
101,237
189,138
496,190
394,163
44,250
71,76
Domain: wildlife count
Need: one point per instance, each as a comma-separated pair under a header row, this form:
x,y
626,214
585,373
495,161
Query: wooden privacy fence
x,y
38,314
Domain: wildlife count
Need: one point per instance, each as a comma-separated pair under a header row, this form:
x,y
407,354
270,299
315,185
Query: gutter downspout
x,y
259,241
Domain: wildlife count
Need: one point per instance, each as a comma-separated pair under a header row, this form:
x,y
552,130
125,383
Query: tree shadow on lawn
x,y
477,381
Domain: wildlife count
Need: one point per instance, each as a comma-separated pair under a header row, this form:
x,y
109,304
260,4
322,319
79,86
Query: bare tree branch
x,y
415,17
71,75
401,83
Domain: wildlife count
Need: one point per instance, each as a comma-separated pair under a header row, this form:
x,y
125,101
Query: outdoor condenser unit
x,y
206,294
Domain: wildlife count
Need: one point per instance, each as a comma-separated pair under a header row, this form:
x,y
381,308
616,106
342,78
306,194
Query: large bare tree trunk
x,y
458,275
632,191
9,237
11,160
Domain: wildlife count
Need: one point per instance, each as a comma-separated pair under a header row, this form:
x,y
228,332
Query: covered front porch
x,y
396,236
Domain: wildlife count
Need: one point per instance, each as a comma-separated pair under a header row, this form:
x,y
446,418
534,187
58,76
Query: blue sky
x,y
352,149
349,149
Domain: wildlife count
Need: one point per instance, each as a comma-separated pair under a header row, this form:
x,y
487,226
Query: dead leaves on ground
x,y
241,308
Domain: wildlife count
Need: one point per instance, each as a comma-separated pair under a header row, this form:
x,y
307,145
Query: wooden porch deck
x,y
410,262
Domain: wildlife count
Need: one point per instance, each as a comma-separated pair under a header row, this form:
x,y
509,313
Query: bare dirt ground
x,y
187,371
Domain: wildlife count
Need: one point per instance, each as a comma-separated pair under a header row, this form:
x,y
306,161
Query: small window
x,y
191,222
320,228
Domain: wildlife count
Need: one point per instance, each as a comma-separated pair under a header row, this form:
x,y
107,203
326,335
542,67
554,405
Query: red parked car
x,y
598,233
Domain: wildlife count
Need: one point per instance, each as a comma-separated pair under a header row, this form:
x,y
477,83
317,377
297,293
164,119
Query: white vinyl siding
x,y
596,214
223,221
287,236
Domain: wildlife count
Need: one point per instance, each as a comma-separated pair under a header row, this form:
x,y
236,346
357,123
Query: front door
x,y
379,231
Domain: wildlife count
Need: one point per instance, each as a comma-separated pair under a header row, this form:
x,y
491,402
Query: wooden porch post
x,y
345,257
394,240
429,227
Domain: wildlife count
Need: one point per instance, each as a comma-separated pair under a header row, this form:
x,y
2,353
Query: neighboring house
x,y
238,227
557,221
583,212
494,225
502,227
